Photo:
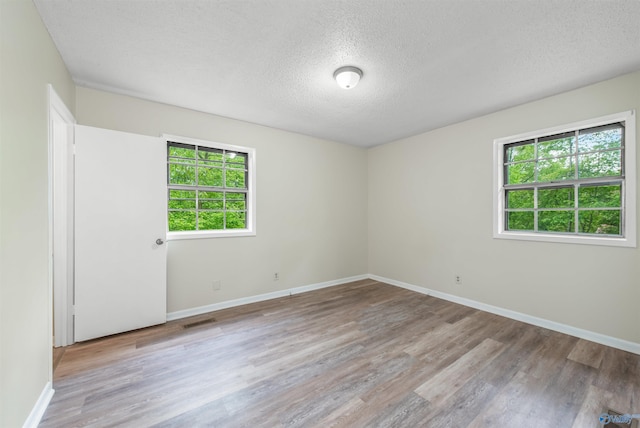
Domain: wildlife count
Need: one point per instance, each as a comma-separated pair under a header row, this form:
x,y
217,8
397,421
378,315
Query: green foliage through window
x,y
207,188
566,183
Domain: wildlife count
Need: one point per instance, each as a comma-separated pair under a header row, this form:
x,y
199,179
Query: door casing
x,y
61,170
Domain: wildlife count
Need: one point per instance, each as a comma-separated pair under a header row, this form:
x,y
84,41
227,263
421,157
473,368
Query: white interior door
x,y
120,213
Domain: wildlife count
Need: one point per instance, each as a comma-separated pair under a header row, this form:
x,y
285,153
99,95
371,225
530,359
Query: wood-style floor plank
x,y
588,353
364,354
438,389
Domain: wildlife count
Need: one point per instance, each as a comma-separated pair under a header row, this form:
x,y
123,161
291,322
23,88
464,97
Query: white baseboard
x,y
540,322
260,298
614,342
40,407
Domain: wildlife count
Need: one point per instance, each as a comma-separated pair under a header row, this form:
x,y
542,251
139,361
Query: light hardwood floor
x,y
361,354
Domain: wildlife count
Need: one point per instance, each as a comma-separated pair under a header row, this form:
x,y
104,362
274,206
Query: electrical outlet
x,y
458,279
217,285
276,276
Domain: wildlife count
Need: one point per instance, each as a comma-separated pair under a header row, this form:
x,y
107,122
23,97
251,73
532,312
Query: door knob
x,y
159,241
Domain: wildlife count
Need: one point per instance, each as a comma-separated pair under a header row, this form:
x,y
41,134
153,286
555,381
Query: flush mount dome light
x,y
347,77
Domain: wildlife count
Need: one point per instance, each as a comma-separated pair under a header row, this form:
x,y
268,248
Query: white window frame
x,y
628,238
251,192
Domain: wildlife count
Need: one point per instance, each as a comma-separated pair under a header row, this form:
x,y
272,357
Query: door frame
x,y
61,201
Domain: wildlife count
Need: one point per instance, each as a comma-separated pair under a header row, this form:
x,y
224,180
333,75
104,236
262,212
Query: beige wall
x,y
430,217
311,204
28,61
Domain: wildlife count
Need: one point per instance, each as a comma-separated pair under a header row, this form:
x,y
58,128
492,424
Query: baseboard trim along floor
x,y
529,319
40,407
602,339
260,297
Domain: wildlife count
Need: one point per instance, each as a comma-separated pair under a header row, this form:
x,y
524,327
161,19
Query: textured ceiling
x,y
426,63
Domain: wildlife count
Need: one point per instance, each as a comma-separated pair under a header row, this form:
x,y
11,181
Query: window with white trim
x,y
210,189
574,183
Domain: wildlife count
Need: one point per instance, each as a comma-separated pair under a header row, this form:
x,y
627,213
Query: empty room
x,y
319,213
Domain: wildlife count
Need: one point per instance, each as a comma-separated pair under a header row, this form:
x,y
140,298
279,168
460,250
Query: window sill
x,y
566,239
176,236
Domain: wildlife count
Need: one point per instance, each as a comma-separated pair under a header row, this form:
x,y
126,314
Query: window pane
x,y
236,220
236,205
235,178
556,221
590,140
234,165
209,176
182,174
210,220
182,194
520,220
556,145
556,169
519,198
182,199
209,155
520,173
236,160
600,222
520,152
602,164
233,195
600,196
182,220
183,152
211,205
188,204
556,198
210,195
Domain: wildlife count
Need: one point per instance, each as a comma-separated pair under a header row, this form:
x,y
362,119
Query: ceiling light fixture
x,y
347,77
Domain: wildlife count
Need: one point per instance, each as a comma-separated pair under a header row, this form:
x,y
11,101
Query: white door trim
x,y
61,171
